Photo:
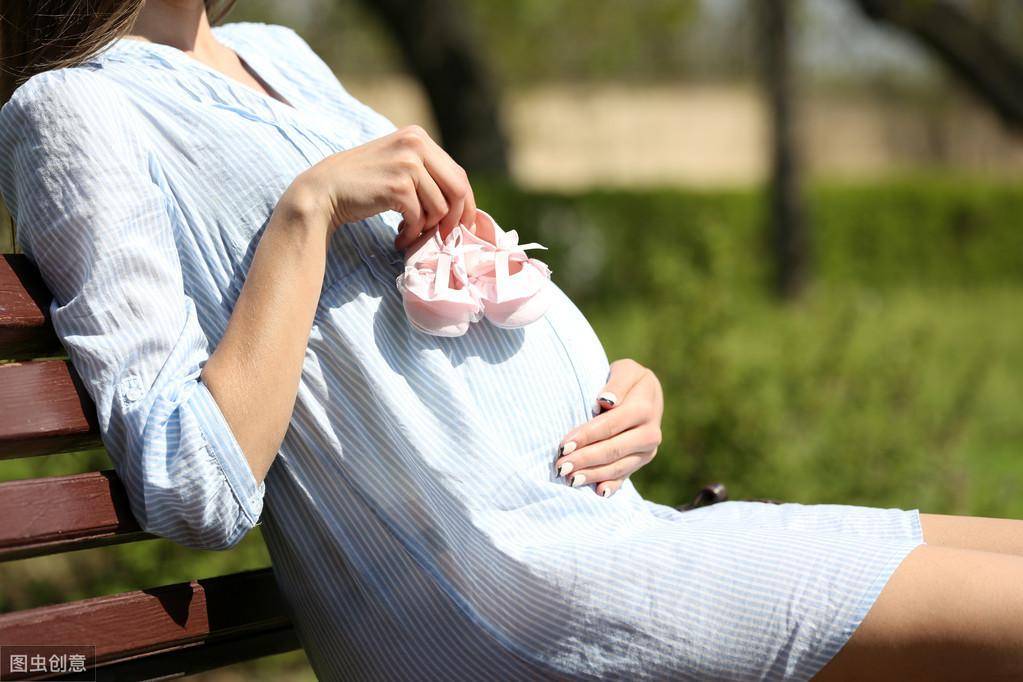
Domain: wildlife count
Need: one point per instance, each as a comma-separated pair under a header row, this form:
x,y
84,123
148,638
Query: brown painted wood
x,y
25,330
195,659
157,633
159,620
44,409
64,513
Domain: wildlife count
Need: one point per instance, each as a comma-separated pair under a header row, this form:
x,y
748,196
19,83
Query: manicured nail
x,y
565,469
609,398
607,492
567,449
578,480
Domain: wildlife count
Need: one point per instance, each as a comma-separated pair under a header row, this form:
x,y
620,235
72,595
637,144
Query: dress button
x,y
132,388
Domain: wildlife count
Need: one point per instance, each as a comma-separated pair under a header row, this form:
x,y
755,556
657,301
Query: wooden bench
x,y
156,632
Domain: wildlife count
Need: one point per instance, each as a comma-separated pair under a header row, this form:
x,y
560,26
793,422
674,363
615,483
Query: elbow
x,y
186,496
211,522
195,485
220,538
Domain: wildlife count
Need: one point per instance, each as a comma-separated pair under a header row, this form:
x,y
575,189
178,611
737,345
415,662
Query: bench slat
x,y
44,409
147,634
194,659
25,331
159,620
64,513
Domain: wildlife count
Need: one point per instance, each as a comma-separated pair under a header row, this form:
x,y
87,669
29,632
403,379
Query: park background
x,y
805,216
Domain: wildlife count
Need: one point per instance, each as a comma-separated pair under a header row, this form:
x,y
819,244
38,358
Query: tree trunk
x,y
438,49
787,216
986,65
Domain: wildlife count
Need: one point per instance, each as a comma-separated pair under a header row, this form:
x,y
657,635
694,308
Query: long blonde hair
x,y
40,35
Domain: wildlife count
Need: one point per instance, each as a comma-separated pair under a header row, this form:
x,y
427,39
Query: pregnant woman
x,y
222,225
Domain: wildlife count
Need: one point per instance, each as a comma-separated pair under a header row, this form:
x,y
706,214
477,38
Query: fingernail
x,y
608,397
578,480
567,449
607,492
565,469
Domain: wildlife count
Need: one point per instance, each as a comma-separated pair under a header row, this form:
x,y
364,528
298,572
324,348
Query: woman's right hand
x,y
405,171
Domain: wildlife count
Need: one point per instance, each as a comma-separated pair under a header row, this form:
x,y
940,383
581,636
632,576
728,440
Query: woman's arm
x,y
190,433
254,371
94,216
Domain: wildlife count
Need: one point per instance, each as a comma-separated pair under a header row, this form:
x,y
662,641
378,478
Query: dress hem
x,y
872,593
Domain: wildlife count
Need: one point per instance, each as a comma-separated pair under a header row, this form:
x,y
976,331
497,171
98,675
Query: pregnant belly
x,y
493,403
547,386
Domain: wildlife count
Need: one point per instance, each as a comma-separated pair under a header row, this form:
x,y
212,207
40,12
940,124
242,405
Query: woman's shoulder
x,y
57,96
65,120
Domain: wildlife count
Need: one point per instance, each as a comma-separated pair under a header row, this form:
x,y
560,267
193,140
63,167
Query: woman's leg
x,y
945,614
973,532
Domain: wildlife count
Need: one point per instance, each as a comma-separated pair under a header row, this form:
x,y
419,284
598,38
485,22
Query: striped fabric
x,y
416,524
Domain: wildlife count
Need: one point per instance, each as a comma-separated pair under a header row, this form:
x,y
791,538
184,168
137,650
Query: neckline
x,y
222,32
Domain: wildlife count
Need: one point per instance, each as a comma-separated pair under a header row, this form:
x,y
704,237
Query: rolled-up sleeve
x,y
77,177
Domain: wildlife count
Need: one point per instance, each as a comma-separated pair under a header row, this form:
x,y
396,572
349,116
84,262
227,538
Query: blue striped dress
x,y
416,524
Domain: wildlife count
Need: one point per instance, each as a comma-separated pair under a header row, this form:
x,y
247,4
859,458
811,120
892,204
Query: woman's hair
x,y
39,35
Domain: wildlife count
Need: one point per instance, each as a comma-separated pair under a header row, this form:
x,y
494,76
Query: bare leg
x,y
973,532
945,614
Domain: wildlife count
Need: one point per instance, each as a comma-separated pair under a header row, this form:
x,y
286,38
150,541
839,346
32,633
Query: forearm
x,y
254,371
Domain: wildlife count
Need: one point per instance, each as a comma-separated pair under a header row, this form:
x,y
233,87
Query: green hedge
x,y
904,233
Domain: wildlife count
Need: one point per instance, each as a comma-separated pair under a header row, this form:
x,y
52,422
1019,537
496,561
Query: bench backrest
x,y
155,632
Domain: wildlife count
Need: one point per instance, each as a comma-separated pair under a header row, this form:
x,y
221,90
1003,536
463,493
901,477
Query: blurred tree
x,y
437,47
535,41
787,214
463,52
970,44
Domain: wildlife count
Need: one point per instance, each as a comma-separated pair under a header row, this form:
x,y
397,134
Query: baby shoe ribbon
x,y
506,250
447,258
453,281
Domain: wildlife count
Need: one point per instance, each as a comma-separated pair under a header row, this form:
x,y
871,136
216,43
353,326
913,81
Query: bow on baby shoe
x,y
513,287
509,250
435,288
449,283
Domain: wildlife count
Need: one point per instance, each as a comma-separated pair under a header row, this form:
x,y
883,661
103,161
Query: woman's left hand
x,y
622,438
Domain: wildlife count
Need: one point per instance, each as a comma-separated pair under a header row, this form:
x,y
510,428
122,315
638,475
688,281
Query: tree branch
x,y
987,66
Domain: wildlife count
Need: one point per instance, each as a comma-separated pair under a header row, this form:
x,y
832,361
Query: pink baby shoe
x,y
514,288
435,288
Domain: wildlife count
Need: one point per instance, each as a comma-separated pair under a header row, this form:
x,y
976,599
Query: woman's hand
x,y
404,171
622,438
